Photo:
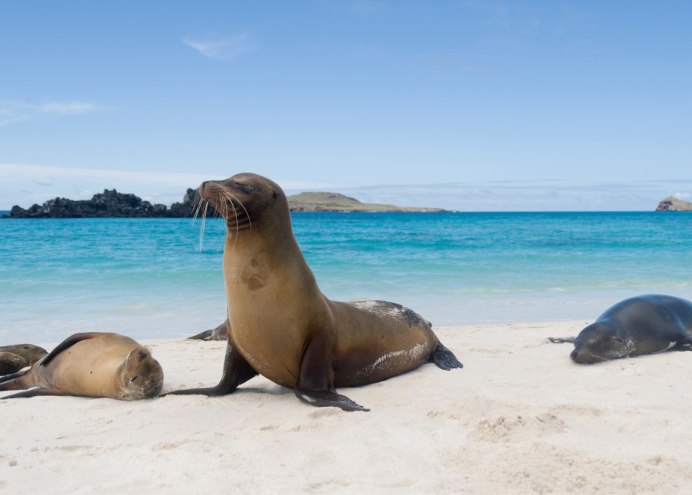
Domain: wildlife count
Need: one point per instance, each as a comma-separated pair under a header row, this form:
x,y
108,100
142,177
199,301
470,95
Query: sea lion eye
x,y
133,379
245,188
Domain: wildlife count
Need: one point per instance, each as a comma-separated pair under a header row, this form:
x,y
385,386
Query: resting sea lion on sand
x,y
91,365
15,357
640,325
284,328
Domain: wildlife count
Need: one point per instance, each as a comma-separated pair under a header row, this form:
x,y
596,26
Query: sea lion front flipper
x,y
315,384
236,371
35,392
328,399
684,343
67,343
562,340
445,359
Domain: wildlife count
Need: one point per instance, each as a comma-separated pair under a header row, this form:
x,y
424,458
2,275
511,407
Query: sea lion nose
x,y
574,355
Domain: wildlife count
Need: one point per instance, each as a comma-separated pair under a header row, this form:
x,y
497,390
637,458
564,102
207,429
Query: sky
x,y
467,104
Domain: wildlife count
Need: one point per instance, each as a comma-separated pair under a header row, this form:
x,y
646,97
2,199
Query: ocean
x,y
156,278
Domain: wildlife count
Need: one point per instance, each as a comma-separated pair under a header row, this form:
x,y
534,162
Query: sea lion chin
x,y
281,326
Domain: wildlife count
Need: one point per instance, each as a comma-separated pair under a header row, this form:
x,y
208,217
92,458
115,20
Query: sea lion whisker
x,y
202,226
197,207
195,215
240,203
230,199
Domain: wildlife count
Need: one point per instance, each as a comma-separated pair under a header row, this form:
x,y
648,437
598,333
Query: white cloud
x,y
67,108
222,48
25,185
14,111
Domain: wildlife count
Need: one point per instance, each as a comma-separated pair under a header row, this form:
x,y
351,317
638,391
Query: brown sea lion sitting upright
x,y
91,365
281,325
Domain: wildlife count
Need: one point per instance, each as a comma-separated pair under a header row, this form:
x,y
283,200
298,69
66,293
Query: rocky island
x,y
335,202
109,203
112,203
672,203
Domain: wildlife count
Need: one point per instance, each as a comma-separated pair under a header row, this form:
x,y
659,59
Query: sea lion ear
x,y
136,355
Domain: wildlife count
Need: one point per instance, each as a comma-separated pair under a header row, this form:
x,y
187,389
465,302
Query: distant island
x,y
335,202
674,204
109,203
113,204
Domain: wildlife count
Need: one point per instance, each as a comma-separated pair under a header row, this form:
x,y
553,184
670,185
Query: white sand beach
x,y
519,418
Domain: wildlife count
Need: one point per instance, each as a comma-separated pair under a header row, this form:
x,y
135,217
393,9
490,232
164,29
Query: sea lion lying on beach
x,y
91,365
281,325
15,357
639,325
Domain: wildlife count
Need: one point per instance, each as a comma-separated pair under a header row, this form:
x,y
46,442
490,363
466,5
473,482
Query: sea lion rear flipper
x,y
201,336
218,333
562,340
445,359
328,399
66,344
5,380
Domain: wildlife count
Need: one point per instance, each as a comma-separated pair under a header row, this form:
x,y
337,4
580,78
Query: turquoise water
x,y
148,278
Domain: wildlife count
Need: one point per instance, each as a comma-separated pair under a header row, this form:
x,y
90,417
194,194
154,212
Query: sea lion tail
x,y
445,359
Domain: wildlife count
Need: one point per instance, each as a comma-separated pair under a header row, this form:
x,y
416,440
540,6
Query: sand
x,y
519,418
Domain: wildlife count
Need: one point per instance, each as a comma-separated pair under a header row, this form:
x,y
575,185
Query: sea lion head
x,y
245,200
31,353
11,362
140,376
599,341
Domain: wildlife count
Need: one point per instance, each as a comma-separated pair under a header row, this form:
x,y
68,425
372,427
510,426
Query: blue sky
x,y
539,99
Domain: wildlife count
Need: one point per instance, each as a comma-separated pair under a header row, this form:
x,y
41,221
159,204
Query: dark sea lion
x,y
91,365
284,328
15,357
11,363
640,325
218,333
